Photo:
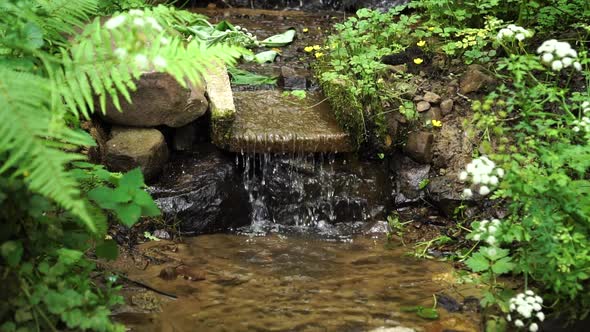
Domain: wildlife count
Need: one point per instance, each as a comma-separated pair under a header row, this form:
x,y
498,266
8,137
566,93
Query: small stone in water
x,y
168,273
432,97
162,234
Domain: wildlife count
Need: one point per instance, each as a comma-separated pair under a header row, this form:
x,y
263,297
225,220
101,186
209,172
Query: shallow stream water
x,y
279,283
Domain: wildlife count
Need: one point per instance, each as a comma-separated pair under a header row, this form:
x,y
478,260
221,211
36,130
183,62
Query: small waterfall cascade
x,y
305,192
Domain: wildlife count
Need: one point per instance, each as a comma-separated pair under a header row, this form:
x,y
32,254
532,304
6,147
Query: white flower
x,y
476,237
534,327
537,307
496,222
520,36
136,12
518,323
484,190
160,62
492,229
493,180
529,293
485,179
476,178
547,58
138,21
539,299
576,129
567,61
154,23
562,49
115,22
512,306
120,53
491,240
463,176
470,168
500,172
541,316
467,193
557,65
578,66
141,61
483,223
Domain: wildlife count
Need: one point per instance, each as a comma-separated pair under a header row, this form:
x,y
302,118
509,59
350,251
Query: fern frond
x,y
104,63
33,141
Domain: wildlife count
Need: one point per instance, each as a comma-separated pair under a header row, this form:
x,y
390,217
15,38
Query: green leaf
x,y
33,35
12,251
148,206
267,56
428,313
132,179
128,214
504,265
69,256
107,249
283,39
478,262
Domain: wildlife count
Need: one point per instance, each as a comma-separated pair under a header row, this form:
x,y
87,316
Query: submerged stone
x,y
268,121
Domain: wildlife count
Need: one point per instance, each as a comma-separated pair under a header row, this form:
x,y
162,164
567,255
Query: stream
x,y
289,241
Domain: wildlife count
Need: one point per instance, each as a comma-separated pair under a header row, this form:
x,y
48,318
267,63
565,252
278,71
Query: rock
x,y
136,147
95,129
448,303
291,79
434,113
159,100
162,234
223,109
452,148
432,97
184,137
190,273
168,273
408,177
403,68
474,79
446,106
419,146
445,192
202,192
393,329
422,106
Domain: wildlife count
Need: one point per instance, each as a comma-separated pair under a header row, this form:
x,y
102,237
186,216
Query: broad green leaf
x,y
148,206
267,56
132,179
478,262
283,39
504,265
128,213
242,77
12,251
69,256
107,249
34,35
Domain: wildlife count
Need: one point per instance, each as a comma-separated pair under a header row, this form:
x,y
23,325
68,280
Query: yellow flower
x,y
308,49
436,123
430,28
421,43
418,61
305,30
379,81
317,47
319,55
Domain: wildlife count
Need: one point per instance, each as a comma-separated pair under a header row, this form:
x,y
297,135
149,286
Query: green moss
x,y
221,127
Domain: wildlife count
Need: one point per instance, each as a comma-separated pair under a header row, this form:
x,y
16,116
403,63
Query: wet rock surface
x,y
159,100
202,192
409,177
136,147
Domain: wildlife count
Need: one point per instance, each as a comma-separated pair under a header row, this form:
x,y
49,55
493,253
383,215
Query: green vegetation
x,y
534,128
59,62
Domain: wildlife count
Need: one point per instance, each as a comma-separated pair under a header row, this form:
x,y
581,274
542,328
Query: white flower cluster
x,y
486,230
512,32
140,21
136,17
558,55
524,309
483,172
584,122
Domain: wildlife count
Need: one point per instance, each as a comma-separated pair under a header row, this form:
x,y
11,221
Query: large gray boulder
x,y
136,147
159,100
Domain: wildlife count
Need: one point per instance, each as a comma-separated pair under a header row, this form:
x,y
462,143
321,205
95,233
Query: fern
x,y
34,142
97,63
